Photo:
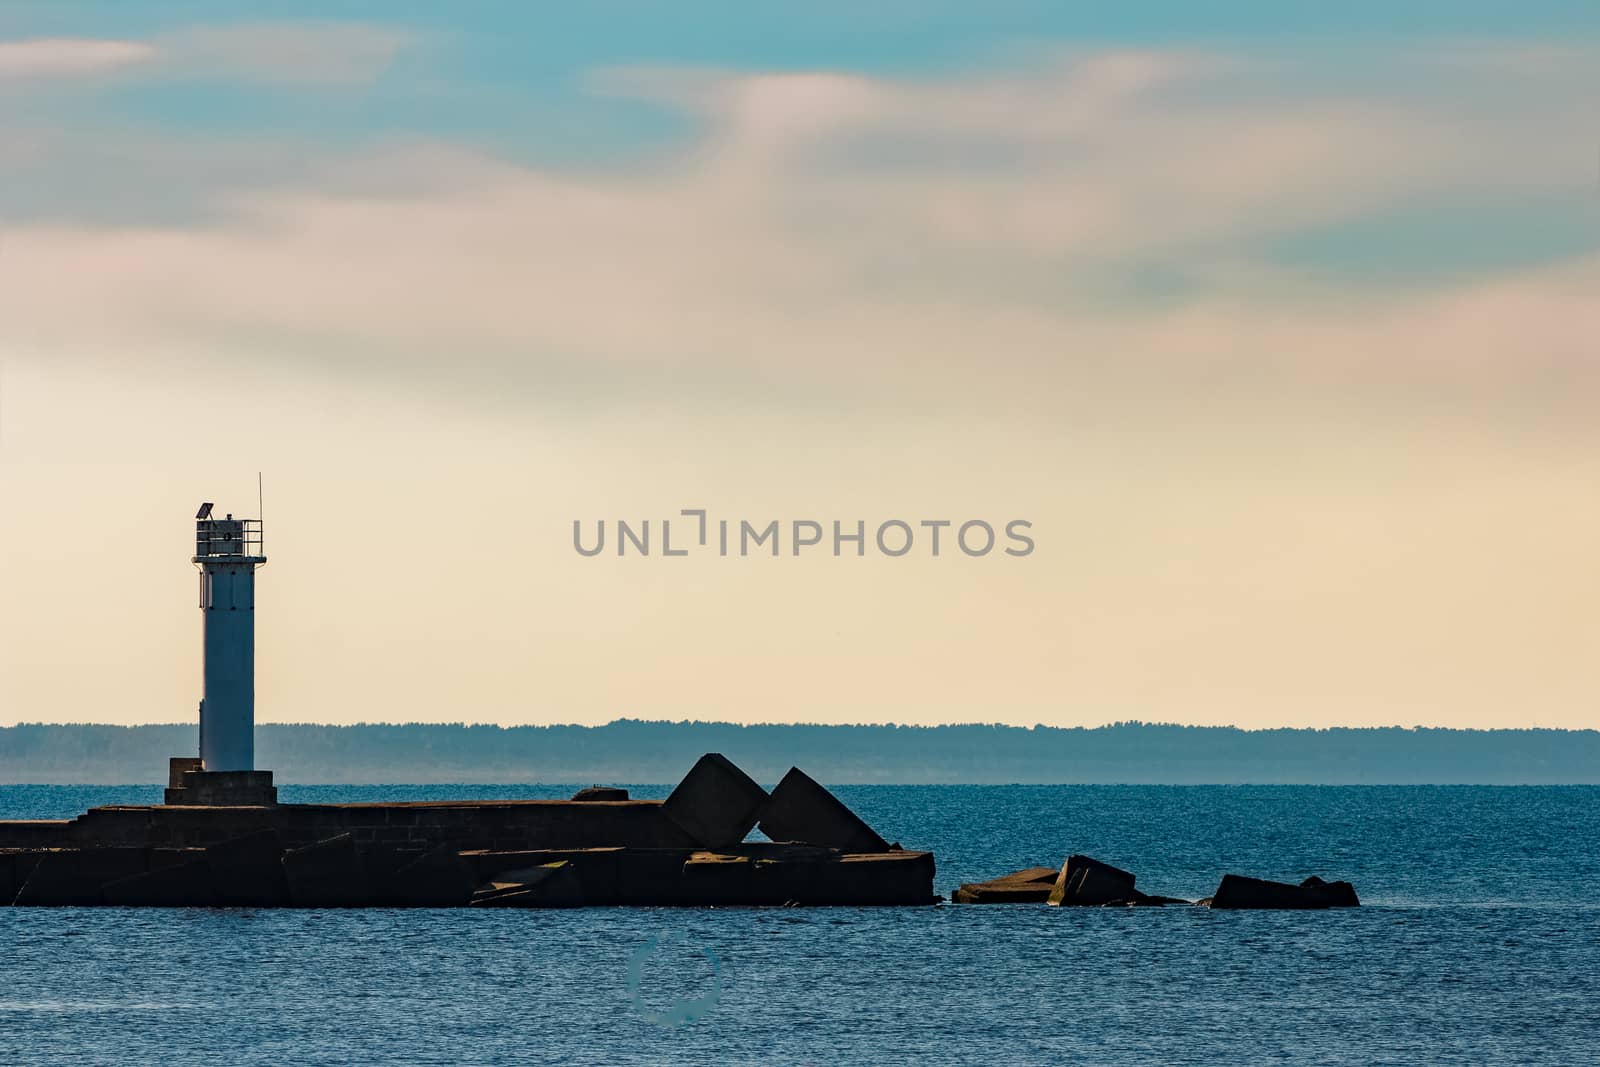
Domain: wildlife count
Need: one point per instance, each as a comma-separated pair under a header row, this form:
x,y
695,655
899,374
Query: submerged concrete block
x,y
328,874
716,804
802,810
247,871
1086,882
1030,886
77,876
1238,891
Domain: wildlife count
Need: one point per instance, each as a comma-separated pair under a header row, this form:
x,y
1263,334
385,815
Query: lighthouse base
x,y
229,789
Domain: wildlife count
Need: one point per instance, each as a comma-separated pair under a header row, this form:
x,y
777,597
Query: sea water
x,y
1478,942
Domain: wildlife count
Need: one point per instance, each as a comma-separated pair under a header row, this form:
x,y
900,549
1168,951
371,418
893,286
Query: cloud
x,y
307,53
58,56
1011,238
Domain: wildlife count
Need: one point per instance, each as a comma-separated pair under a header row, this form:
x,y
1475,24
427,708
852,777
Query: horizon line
x,y
1117,724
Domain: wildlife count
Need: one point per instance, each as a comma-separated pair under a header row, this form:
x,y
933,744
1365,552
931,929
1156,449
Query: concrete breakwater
x,y
688,850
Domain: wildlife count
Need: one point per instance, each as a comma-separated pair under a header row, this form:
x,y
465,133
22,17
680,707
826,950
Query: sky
x,y
1278,325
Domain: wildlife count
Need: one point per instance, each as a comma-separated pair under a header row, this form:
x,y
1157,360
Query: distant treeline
x,y
633,751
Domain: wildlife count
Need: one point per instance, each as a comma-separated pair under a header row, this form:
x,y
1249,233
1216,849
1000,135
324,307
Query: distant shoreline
x,y
629,750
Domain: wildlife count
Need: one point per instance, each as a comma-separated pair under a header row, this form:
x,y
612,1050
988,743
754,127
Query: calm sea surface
x,y
1479,942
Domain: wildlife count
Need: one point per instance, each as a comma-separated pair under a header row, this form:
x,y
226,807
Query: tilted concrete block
x,y
802,810
716,804
1085,881
549,885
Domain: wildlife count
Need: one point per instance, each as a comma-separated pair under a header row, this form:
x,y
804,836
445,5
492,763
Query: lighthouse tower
x,y
227,551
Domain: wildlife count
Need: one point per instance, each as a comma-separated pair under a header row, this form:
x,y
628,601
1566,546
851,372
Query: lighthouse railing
x,y
228,538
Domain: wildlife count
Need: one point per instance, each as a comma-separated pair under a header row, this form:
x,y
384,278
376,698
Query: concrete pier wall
x,y
495,825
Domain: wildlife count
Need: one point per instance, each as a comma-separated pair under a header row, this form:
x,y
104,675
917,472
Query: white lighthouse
x,y
228,551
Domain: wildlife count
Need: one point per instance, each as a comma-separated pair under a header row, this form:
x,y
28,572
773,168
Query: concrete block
x,y
15,867
182,885
77,876
716,804
1086,882
1031,886
991,893
712,879
247,871
802,810
223,789
1238,891
439,878
1337,894
178,766
872,879
607,875
600,873
898,877
651,876
328,874
549,885
35,833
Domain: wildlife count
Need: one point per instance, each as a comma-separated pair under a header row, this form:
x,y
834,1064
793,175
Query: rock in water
x,y
1238,892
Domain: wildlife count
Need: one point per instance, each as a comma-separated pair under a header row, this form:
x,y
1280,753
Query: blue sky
x,y
480,69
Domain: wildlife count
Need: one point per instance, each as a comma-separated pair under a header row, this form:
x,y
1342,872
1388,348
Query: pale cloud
x,y
57,56
855,233
329,54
